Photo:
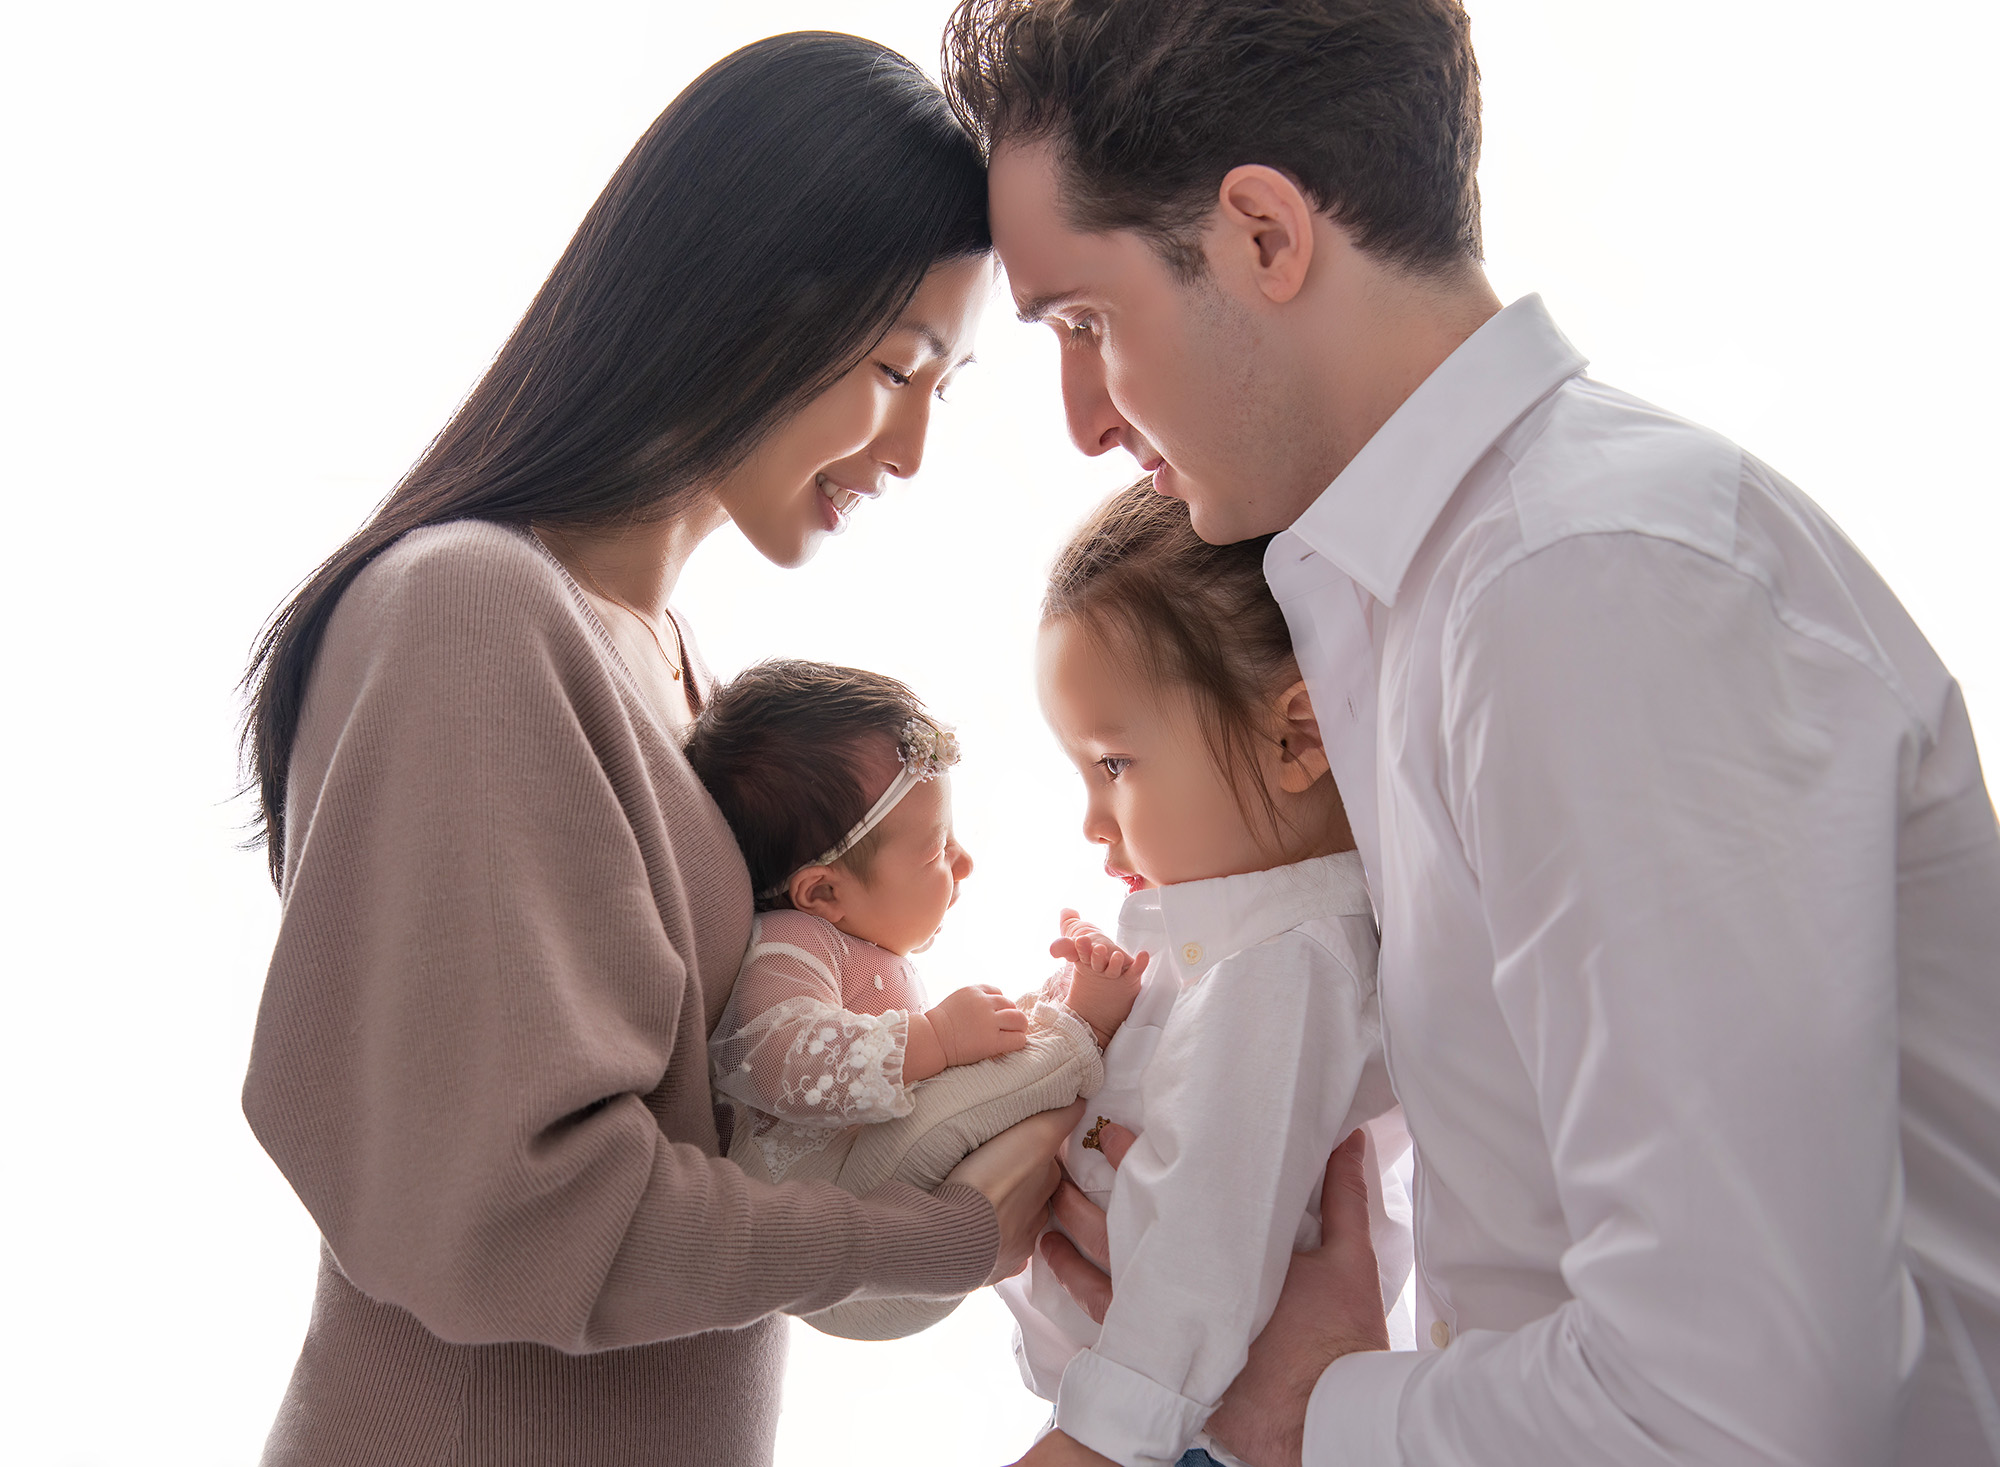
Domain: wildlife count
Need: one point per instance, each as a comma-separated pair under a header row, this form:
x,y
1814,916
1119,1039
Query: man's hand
x,y
1081,1266
1331,1306
1058,1450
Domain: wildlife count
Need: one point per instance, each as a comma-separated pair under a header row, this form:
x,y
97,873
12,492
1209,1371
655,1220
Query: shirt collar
x,y
1371,520
1206,921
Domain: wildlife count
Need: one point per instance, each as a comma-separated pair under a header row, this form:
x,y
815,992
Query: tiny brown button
x,y
1191,953
1440,1333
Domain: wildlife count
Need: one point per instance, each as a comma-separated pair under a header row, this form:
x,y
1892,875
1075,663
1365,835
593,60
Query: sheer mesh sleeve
x,y
786,1046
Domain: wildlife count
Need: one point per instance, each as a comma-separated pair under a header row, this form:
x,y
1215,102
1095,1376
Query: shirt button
x,y
1440,1333
1191,953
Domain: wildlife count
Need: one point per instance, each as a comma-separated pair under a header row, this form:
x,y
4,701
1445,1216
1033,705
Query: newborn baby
x,y
835,783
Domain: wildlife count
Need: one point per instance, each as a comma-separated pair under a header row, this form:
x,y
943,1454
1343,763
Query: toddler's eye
x,y
1114,765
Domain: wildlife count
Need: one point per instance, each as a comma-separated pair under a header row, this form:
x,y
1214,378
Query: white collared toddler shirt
x,y
1252,1050
1690,980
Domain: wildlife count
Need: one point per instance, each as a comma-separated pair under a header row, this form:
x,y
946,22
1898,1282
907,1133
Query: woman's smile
x,y
840,501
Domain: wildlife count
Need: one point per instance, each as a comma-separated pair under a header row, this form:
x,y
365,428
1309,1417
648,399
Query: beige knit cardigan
x,y
511,916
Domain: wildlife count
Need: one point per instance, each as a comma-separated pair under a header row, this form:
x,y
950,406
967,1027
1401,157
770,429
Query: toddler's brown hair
x,y
1140,581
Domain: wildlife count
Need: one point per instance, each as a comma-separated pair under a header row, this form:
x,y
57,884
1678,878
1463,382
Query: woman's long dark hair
x,y
760,238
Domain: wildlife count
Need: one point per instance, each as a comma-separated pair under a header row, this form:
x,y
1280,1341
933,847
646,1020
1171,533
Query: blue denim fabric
x,y
1196,1457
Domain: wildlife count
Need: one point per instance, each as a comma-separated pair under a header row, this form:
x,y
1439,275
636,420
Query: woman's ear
x,y
816,890
1301,752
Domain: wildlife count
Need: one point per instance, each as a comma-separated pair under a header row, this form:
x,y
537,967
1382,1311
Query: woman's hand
x,y
1017,1172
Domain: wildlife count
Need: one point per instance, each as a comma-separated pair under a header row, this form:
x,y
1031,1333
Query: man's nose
x,y
1095,425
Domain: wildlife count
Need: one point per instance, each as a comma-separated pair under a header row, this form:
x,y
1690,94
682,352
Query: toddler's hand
x,y
1104,979
977,1023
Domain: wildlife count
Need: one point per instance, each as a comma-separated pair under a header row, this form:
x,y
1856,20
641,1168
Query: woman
x,y
511,913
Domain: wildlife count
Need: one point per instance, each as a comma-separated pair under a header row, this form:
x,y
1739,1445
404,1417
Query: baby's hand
x,y
1104,979
977,1023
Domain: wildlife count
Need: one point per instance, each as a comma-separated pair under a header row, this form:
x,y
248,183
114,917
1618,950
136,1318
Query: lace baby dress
x,y
809,1052
813,1038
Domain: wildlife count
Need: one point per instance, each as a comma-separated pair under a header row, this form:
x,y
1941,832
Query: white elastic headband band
x,y
927,750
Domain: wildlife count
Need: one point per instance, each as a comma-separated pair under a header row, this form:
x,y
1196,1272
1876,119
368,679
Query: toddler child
x,y
1166,672
835,783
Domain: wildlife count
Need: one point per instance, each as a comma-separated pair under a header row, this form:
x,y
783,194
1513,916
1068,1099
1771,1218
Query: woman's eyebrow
x,y
929,335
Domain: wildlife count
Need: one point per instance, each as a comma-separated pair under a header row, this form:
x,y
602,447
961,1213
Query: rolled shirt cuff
x,y
1126,1416
1351,1417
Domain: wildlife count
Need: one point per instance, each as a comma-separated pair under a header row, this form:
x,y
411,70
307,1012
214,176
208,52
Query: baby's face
x,y
1154,796
914,877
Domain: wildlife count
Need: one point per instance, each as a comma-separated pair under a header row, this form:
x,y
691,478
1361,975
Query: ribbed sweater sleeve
x,y
480,1058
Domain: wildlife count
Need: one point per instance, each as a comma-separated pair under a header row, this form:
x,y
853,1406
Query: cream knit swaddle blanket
x,y
955,1111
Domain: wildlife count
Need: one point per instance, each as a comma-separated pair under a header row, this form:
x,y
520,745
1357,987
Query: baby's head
x,y
1166,671
833,780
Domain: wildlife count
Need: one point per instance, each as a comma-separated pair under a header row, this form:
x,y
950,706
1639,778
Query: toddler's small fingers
x,y
1139,964
1064,948
1013,1040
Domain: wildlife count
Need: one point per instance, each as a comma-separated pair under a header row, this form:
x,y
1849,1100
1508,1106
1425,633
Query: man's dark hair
x,y
788,751
1370,106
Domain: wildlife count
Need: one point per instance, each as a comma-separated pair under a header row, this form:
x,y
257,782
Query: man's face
x,y
1182,376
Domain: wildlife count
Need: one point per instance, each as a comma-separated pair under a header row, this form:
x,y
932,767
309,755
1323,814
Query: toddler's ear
x,y
816,890
1301,750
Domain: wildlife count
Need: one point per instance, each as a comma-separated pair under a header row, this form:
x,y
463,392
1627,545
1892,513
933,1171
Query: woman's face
x,y
806,479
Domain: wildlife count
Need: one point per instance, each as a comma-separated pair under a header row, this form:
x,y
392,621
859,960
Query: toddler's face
x,y
913,879
1155,798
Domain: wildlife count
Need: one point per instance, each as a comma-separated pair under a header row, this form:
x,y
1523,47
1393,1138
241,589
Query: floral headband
x,y
926,750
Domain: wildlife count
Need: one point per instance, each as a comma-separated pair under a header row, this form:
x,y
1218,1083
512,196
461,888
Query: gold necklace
x,y
644,620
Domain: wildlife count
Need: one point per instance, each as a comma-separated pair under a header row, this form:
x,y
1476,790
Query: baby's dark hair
x,y
787,749
1142,583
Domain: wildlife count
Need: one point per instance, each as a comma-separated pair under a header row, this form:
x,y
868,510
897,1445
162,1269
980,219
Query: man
x,y
1688,879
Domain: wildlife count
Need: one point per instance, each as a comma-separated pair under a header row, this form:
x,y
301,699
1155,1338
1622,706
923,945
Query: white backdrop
x,y
255,253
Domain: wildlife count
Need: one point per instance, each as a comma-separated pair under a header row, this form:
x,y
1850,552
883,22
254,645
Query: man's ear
x,y
1301,751
1263,231
817,890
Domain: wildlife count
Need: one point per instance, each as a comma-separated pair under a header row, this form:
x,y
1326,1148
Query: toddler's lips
x,y
1132,879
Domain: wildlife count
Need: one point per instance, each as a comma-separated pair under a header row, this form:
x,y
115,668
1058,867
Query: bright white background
x,y
254,254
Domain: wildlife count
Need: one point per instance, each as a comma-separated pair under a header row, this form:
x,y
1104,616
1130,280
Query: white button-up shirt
x,y
1252,1050
1690,981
